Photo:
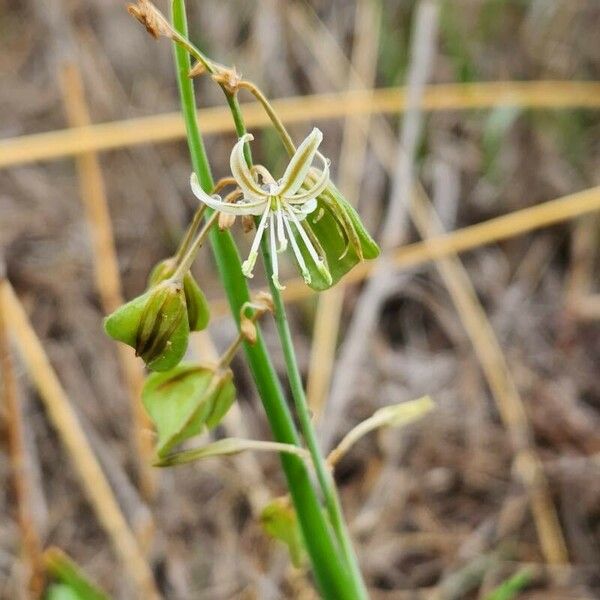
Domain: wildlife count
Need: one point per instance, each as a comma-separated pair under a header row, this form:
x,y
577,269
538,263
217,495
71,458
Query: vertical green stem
x,y
333,577
326,481
332,501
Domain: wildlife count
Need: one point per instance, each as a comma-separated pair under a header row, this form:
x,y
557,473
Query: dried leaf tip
x,y
151,18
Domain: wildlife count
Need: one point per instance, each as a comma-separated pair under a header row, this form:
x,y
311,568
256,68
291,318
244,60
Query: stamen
x,y
274,263
319,262
281,232
253,255
297,253
305,238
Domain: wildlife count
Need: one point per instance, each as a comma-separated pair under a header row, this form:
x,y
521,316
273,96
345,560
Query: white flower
x,y
281,205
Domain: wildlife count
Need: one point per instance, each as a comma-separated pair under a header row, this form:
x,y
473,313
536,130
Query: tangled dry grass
x,y
439,510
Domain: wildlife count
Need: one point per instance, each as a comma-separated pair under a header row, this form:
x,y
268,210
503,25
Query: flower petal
x,y
304,209
315,190
297,170
241,172
252,207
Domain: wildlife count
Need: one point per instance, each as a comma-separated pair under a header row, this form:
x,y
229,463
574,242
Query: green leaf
x,y
74,583
185,400
62,591
338,233
227,447
279,521
509,589
195,300
155,324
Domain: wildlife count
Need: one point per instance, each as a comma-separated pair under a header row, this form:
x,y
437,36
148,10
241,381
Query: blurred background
x,y
500,480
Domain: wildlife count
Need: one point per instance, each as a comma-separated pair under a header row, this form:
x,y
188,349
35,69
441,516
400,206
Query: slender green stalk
x,y
187,261
326,482
333,577
332,501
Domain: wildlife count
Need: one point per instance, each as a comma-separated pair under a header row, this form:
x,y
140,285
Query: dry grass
x,y
436,512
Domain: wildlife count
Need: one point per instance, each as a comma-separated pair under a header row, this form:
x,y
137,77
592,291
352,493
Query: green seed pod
x,y
197,305
185,400
339,237
155,324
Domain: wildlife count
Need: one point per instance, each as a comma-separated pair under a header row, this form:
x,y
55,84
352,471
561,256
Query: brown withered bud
x,y
248,330
197,70
228,79
264,300
247,223
151,18
251,312
225,221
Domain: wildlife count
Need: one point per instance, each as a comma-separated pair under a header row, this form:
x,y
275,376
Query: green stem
x,y
332,501
333,577
326,482
186,262
184,246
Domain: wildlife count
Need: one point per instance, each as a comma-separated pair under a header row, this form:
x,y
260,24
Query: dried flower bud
x,y
225,220
265,300
247,223
151,18
248,329
228,78
198,69
251,312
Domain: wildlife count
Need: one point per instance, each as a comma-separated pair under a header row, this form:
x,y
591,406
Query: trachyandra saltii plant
x,y
301,211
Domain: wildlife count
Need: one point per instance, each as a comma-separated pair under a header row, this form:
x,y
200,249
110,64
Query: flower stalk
x,y
335,578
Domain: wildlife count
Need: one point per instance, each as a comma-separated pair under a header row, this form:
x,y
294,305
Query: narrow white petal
x,y
241,172
249,263
300,163
316,189
242,207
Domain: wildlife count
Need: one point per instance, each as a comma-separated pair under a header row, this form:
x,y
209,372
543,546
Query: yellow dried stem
x,y
30,539
70,432
170,126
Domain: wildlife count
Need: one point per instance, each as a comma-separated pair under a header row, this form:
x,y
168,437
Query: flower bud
x,y
279,520
197,306
155,324
225,221
247,223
